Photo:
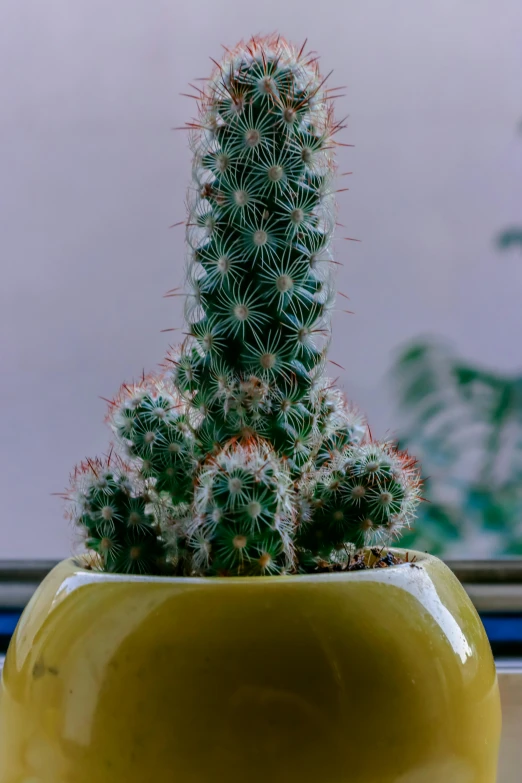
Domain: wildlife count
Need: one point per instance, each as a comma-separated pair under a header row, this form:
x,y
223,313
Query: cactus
x,y
259,229
368,493
244,512
339,424
240,457
151,425
114,512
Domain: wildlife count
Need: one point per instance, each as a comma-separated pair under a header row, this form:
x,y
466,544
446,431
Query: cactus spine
x,y
241,458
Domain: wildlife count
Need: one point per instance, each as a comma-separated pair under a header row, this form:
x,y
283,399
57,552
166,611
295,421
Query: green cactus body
x,y
244,520
260,225
367,494
339,424
241,457
115,517
151,424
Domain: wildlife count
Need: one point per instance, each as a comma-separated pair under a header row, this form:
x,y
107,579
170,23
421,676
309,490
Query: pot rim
x,y
421,560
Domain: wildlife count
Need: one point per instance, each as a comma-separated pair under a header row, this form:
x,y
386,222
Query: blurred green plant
x,y
466,424
510,237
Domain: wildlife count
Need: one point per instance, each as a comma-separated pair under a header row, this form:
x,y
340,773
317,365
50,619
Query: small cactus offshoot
x,y
367,495
115,513
151,424
241,457
244,512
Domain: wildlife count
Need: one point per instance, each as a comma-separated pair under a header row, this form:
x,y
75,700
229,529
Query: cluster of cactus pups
x,y
240,457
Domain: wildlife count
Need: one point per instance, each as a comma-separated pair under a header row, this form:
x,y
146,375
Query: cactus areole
x,y
241,457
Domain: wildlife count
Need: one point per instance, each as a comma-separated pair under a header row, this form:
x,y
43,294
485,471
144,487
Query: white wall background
x,y
91,176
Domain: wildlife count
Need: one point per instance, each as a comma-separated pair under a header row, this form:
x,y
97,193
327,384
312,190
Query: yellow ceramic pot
x,y
377,676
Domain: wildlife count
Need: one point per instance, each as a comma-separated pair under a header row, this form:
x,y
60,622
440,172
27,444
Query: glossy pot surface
x,y
377,676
